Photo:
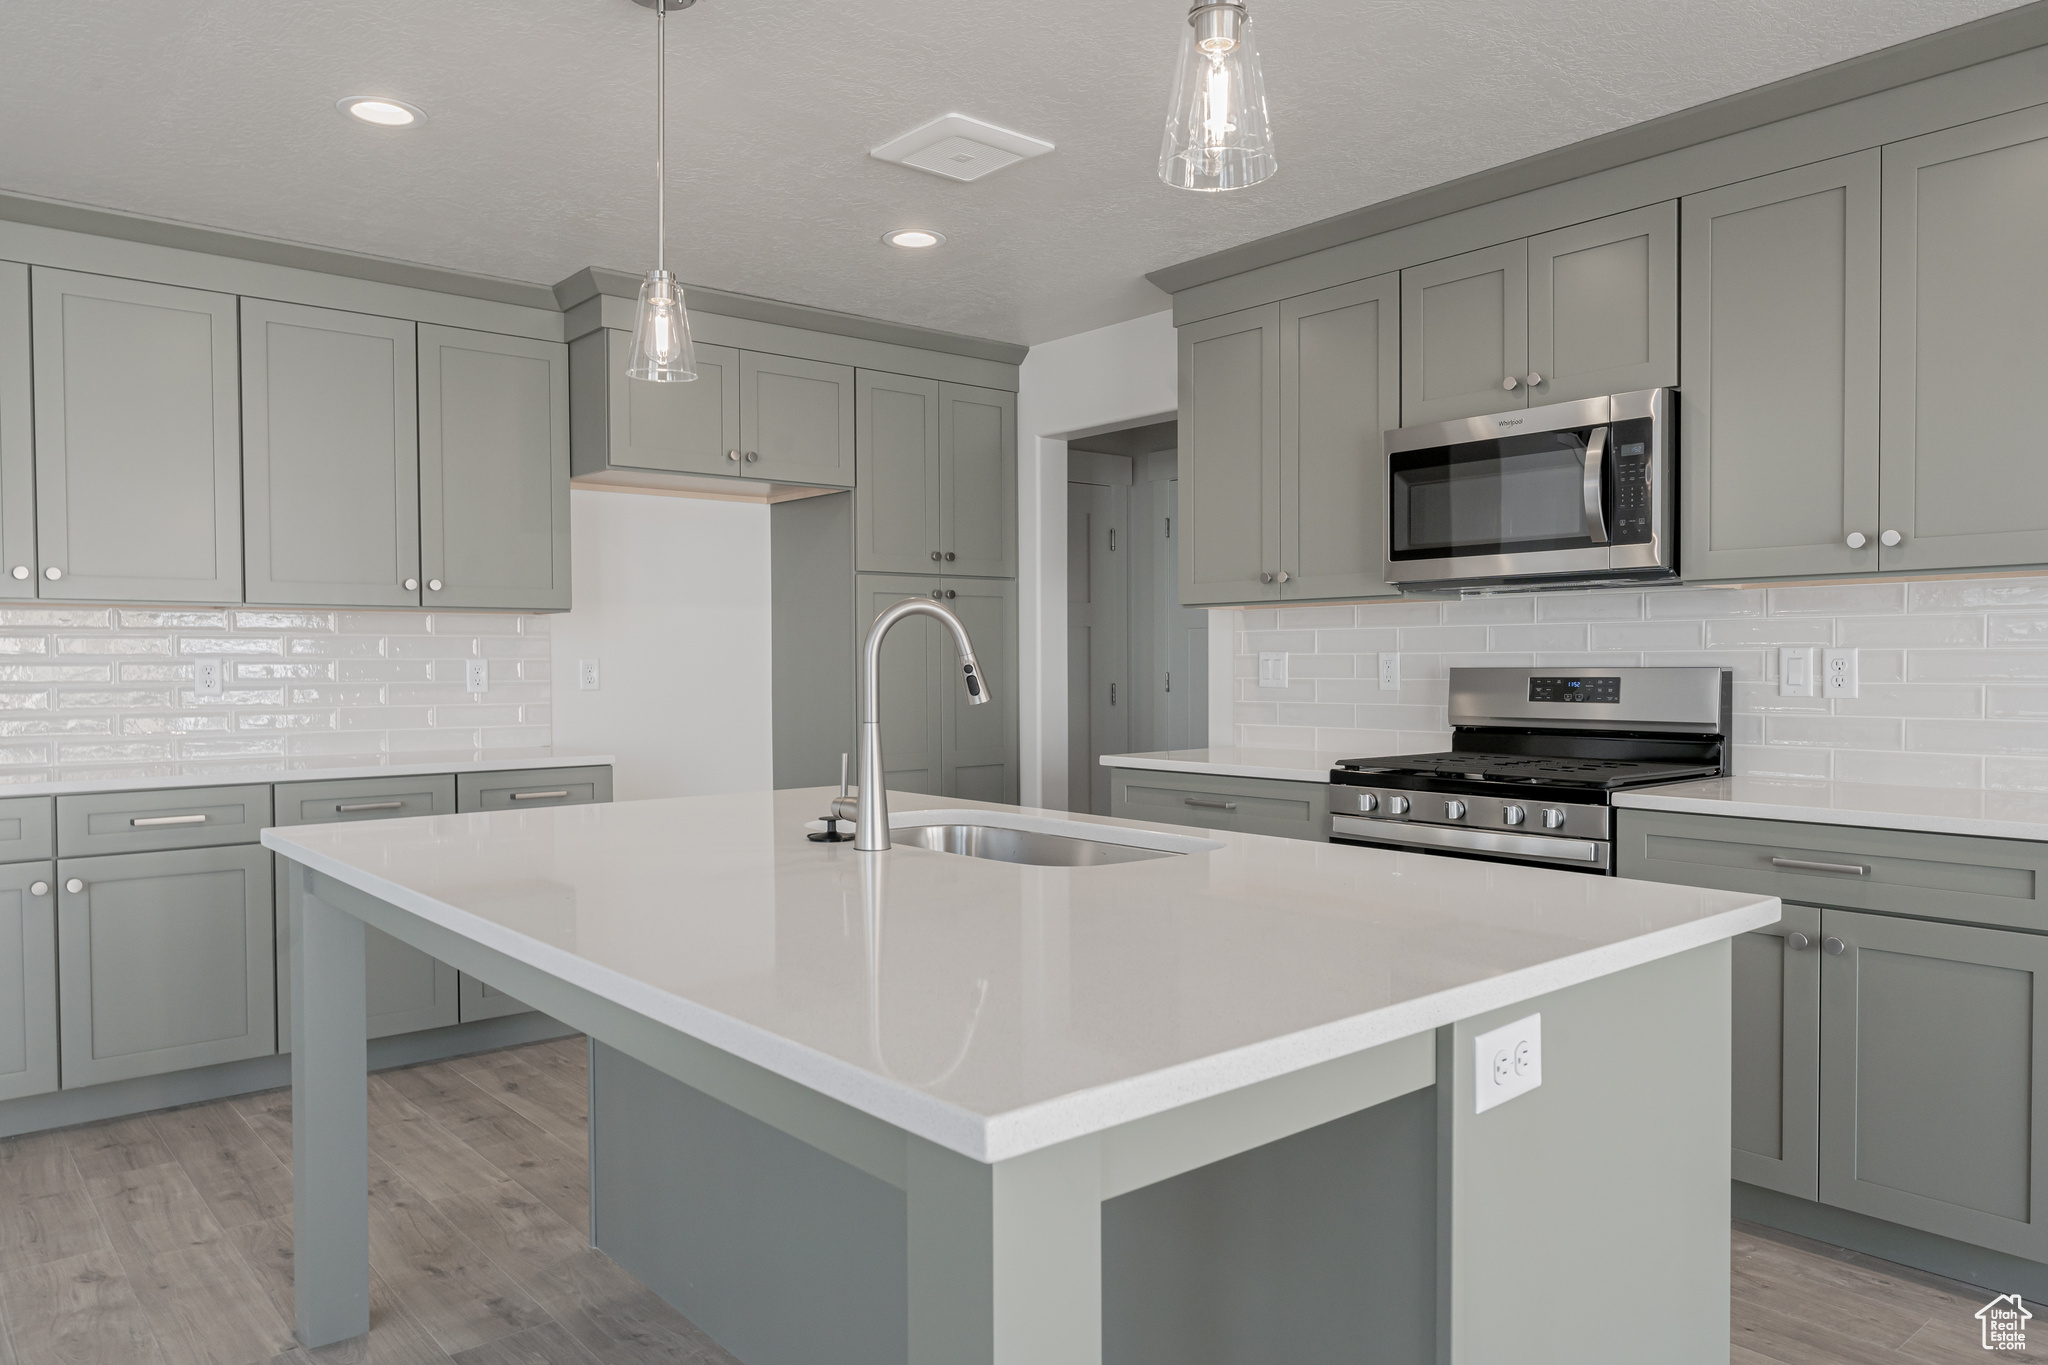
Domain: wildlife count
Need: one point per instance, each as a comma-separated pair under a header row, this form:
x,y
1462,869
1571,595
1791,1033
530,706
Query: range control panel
x,y
1575,689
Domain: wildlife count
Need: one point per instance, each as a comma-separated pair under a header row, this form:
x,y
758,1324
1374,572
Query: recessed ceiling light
x,y
914,237
385,113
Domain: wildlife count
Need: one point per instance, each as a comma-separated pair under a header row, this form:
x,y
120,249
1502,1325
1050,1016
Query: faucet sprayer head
x,y
977,686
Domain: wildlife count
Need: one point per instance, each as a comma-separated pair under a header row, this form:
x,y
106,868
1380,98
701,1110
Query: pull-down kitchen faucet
x,y
869,810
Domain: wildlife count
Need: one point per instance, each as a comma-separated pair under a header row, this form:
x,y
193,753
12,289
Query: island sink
x,y
1024,846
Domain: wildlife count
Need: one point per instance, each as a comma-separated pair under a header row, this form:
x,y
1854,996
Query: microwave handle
x,y
1596,457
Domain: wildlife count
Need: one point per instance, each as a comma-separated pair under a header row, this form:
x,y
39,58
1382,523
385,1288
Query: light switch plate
x,y
208,676
1390,673
1838,673
1272,670
476,675
586,675
1506,1062
1795,671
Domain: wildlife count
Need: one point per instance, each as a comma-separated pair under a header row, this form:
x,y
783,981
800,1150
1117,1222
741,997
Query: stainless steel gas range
x,y
1536,755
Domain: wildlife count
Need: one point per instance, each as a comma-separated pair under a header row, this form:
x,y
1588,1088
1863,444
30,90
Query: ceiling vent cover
x,y
960,148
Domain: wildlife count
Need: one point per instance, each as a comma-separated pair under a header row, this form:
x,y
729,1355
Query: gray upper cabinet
x,y
1779,399
691,428
1603,306
896,506
977,481
494,470
28,980
1465,335
17,439
1775,1059
330,457
1230,458
1965,329
796,420
138,465
1340,376
978,744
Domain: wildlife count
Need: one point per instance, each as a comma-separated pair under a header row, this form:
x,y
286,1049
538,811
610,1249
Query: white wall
x,y
672,600
1094,381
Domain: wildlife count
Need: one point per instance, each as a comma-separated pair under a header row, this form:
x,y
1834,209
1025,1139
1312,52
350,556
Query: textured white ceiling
x,y
537,156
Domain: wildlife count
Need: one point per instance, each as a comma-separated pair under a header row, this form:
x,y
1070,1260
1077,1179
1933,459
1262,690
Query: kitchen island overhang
x,y
1013,1048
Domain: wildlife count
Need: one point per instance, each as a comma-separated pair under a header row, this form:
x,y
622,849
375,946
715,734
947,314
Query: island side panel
x,y
1586,1221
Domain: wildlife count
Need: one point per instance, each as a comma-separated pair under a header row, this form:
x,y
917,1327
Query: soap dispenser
x,y
832,834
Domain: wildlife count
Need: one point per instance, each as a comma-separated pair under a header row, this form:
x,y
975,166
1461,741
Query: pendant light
x,y
661,327
1217,137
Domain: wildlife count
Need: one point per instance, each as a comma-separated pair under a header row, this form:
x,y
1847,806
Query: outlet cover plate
x,y
586,675
208,677
1390,673
1506,1062
1838,673
476,675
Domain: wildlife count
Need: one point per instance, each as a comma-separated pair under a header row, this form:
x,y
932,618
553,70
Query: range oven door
x,y
1535,850
1571,491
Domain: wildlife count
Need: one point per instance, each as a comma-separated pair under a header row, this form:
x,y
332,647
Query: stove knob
x,y
1513,815
1553,818
1397,805
1368,802
1454,810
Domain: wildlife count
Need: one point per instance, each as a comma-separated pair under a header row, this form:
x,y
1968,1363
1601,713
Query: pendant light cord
x,y
660,132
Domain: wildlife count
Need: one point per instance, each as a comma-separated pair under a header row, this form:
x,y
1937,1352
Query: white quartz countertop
x,y
308,769
1287,765
995,1008
1934,810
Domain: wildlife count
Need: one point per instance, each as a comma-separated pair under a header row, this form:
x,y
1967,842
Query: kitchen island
x,y
1219,1103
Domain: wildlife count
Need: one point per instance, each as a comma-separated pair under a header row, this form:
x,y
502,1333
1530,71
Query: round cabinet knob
x,y
1553,818
1890,538
39,888
1397,805
1833,946
1857,540
935,594
1534,379
433,585
753,455
950,594
53,573
733,455
412,585
1368,802
1798,943
949,556
1280,577
935,556
21,571
74,886
1265,578
1509,383
1513,815
1454,810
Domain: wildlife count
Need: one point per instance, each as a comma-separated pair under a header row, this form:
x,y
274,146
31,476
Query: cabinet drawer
x,y
144,822
532,787
1249,805
26,829
364,798
1930,876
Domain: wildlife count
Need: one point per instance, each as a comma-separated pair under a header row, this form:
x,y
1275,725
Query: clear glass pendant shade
x,y
661,333
1217,136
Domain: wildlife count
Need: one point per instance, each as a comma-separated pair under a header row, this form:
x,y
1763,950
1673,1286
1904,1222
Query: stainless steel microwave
x,y
1572,493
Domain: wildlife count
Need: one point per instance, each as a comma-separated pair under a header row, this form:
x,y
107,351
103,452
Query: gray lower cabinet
x,y
1465,335
934,742
17,439
796,420
28,979
330,457
494,470
1230,458
1776,1054
1246,805
1778,402
164,961
138,466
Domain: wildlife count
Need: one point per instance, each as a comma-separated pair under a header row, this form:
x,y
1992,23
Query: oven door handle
x,y
1596,459
1470,840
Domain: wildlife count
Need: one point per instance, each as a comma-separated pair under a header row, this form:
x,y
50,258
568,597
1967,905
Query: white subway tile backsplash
x,y
1604,605
1952,701
1489,611
1909,769
1977,594
1364,640
1443,639
1696,604
1847,599
1909,632
1633,635
2019,628
2016,703
2016,774
1979,736
1549,635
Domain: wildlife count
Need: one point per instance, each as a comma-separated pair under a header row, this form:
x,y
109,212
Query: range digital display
x,y
1575,689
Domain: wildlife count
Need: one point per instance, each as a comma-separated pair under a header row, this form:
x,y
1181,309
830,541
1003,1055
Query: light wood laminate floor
x,y
166,1240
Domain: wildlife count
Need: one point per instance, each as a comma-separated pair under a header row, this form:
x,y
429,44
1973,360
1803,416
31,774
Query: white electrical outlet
x,y
1838,673
476,675
1795,671
207,676
586,675
1506,1062
1272,670
1390,673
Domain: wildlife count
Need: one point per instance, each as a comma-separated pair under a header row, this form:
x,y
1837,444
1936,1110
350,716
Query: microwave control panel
x,y
1631,506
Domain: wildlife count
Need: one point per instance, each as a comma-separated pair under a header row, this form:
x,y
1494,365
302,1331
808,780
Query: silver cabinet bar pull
x,y
142,821
1802,865
369,805
536,796
1212,805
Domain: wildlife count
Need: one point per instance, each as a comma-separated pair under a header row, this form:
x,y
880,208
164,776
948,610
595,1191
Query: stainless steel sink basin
x,y
1021,846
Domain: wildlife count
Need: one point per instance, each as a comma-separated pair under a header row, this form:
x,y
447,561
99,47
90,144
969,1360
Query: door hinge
x,y
1112,694
1169,682
1112,539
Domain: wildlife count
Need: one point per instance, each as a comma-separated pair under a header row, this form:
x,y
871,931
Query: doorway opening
x,y
1137,660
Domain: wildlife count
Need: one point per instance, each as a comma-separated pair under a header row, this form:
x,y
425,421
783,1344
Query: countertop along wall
x,y
1954,673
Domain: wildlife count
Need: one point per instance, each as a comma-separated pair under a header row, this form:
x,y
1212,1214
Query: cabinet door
x,y
1934,1078
691,428
330,457
1776,1056
17,439
138,441
896,506
1778,397
978,481
796,419
1965,327
1465,335
165,961
1340,377
28,980
1603,306
494,470
1230,458
978,749
911,719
